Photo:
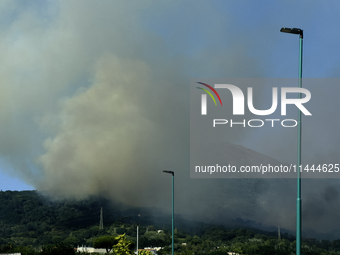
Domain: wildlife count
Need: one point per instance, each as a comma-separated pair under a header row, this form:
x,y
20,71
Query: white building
x,y
90,250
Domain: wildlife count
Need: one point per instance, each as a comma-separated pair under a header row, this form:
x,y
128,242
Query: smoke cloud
x,y
94,99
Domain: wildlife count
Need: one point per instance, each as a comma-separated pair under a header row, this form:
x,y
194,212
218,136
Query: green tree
x,y
144,252
57,239
123,246
7,247
106,242
58,249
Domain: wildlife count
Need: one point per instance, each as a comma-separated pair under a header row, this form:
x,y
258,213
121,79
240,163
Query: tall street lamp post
x,y
298,31
173,175
137,237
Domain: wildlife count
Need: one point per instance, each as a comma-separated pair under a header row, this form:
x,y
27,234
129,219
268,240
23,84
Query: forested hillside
x,y
27,215
33,224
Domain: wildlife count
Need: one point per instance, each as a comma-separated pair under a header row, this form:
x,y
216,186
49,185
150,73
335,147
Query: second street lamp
x,y
172,228
137,237
298,31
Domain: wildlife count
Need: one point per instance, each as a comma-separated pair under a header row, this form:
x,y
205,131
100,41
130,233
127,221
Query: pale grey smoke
x,y
94,99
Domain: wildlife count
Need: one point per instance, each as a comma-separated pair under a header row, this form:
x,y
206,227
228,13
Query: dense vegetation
x,y
32,224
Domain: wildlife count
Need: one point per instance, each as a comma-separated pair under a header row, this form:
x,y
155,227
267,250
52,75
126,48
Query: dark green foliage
x,y
58,249
24,250
105,242
29,221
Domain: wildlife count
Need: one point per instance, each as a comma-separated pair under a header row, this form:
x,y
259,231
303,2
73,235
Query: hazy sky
x,y
94,95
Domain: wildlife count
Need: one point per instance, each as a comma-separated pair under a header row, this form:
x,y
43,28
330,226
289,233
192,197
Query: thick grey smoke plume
x,y
112,137
94,99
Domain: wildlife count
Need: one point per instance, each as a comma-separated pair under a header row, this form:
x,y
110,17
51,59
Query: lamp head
x,y
296,31
169,172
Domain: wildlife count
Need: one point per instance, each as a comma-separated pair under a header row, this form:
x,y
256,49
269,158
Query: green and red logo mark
x,y
204,97
208,92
